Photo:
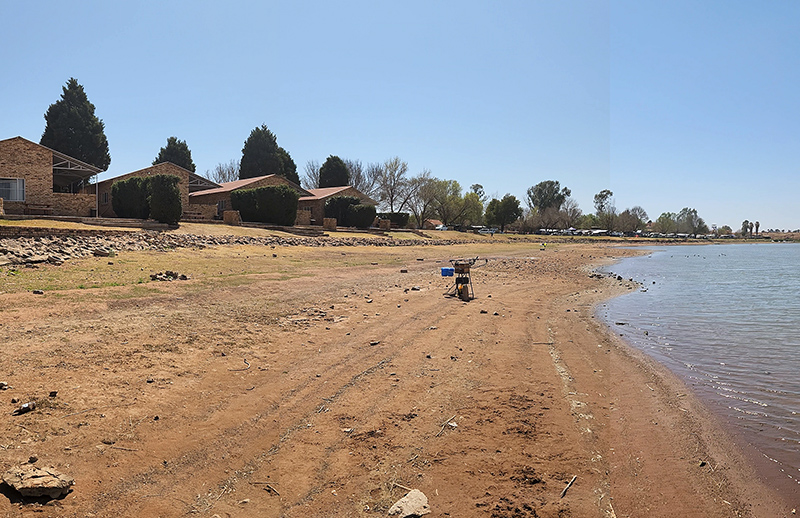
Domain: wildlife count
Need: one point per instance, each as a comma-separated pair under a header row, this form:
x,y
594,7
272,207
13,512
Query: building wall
x,y
67,204
317,209
205,211
213,199
20,158
105,209
303,217
317,205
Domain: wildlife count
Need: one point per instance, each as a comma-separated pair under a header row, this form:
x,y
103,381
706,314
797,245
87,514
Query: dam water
x,y
725,318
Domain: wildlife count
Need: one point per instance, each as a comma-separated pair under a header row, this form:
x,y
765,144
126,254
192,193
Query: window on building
x,y
12,189
104,198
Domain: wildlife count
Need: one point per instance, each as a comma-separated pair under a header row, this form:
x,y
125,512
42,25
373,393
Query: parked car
x,y
441,227
485,231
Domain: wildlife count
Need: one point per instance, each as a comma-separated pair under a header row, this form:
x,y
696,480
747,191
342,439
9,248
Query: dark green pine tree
x,y
73,129
334,173
177,152
262,156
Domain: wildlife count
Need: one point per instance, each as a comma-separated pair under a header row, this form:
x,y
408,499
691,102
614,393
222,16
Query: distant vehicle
x,y
485,231
441,227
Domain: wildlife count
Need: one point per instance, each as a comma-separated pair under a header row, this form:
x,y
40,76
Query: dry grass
x,y
49,223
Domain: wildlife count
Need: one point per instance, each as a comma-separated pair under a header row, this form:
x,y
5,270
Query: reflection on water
x,y
725,318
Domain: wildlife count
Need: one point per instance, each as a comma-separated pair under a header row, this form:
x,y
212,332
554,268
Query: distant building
x,y
188,183
213,202
314,202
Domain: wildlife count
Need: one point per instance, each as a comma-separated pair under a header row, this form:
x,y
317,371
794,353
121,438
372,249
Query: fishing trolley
x,y
462,285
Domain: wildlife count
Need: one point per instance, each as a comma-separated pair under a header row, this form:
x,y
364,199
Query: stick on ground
x,y
245,362
564,492
445,424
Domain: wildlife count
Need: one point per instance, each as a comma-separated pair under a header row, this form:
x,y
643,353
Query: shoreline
x,y
353,384
769,471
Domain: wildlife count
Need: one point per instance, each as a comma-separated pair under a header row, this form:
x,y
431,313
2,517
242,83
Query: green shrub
x,y
398,219
165,198
276,204
244,201
129,198
361,216
338,207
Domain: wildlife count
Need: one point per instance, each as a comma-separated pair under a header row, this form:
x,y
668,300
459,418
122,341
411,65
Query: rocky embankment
x,y
59,248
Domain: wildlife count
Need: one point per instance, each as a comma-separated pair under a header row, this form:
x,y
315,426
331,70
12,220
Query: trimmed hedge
x,y
129,198
361,216
339,207
165,198
275,204
399,219
155,197
244,200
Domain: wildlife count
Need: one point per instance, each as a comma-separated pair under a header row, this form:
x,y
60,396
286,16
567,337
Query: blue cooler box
x,y
448,271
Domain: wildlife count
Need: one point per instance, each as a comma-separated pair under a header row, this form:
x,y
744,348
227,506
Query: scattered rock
x,y
38,292
31,481
403,270
375,342
25,408
483,312
415,503
4,385
53,393
168,276
415,288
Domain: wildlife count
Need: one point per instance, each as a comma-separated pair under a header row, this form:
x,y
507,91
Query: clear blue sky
x,y
668,104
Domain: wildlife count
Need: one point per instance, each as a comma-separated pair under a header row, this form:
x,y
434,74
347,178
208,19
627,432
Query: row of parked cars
x,y
481,230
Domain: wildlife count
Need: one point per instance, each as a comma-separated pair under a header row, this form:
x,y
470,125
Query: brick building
x,y
314,203
35,179
188,183
219,198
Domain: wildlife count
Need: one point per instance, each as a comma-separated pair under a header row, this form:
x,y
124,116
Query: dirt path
x,y
316,383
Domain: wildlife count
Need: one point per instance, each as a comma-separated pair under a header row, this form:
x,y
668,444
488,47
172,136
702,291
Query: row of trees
x,y
73,128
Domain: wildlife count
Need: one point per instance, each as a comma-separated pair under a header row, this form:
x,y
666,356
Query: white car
x,y
441,227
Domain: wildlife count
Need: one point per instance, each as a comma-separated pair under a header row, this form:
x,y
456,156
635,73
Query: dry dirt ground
x,y
323,382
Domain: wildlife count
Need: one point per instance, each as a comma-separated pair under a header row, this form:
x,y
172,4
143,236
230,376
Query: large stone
x,y
36,482
415,503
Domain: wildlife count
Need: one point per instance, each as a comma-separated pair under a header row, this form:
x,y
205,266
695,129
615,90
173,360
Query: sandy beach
x,y
300,381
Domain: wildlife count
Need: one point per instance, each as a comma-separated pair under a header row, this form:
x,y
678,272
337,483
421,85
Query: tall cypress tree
x,y
261,156
73,129
177,152
334,173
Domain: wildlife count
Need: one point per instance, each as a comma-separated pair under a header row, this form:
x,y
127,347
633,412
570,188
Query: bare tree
x,y
310,178
365,179
570,212
223,173
422,197
393,184
758,224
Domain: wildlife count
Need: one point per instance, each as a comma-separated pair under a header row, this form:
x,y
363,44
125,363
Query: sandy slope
x,y
316,383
